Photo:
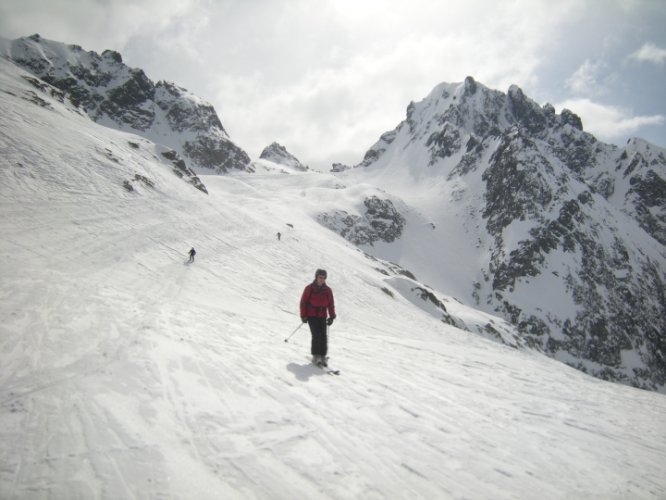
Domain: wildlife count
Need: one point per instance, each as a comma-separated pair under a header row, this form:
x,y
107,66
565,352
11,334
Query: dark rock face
x,y
379,149
444,143
126,102
181,114
514,186
339,167
646,195
616,292
182,171
219,155
381,222
593,218
116,95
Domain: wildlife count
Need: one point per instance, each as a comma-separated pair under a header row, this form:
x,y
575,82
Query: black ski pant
x,y
319,346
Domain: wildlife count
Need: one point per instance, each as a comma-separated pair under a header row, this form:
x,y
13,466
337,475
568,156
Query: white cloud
x,y
649,52
327,77
95,25
609,123
330,97
586,79
353,102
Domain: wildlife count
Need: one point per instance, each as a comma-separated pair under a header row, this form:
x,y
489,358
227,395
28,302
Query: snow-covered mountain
x,y
560,234
277,153
116,95
127,373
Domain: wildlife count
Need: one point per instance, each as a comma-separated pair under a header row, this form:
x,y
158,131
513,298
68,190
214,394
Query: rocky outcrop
x,y
339,167
379,222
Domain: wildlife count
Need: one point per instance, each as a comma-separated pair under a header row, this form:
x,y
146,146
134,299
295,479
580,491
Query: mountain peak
x,y
121,97
278,154
452,115
470,86
556,206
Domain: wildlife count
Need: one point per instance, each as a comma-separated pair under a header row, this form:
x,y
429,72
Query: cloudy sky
x,y
326,78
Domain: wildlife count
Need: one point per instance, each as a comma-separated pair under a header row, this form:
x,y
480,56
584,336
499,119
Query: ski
x,y
325,368
330,371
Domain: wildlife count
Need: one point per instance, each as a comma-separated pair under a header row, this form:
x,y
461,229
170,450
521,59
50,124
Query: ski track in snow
x,y
127,373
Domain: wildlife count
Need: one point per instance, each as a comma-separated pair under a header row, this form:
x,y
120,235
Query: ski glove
x,y
329,321
304,319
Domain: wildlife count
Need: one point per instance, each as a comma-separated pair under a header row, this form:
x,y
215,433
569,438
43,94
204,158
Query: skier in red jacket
x,y
316,303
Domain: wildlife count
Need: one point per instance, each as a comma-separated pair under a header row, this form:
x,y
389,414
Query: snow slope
x,y
127,373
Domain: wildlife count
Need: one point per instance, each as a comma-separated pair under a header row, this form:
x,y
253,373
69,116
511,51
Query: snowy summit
x,y
279,154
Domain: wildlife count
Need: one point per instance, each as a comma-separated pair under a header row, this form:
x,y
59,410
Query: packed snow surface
x,y
128,373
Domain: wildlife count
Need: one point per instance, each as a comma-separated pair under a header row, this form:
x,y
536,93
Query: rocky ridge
x,y
561,210
116,95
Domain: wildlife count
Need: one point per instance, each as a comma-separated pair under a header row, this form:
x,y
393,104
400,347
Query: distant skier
x,y
279,236
191,253
316,303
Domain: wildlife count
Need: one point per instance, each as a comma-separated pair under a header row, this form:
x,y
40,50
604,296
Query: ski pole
x,y
292,333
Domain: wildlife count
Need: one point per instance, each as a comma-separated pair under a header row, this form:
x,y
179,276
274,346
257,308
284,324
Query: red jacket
x,y
316,301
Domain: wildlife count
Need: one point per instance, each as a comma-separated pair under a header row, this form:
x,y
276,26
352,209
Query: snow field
x,y
127,373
